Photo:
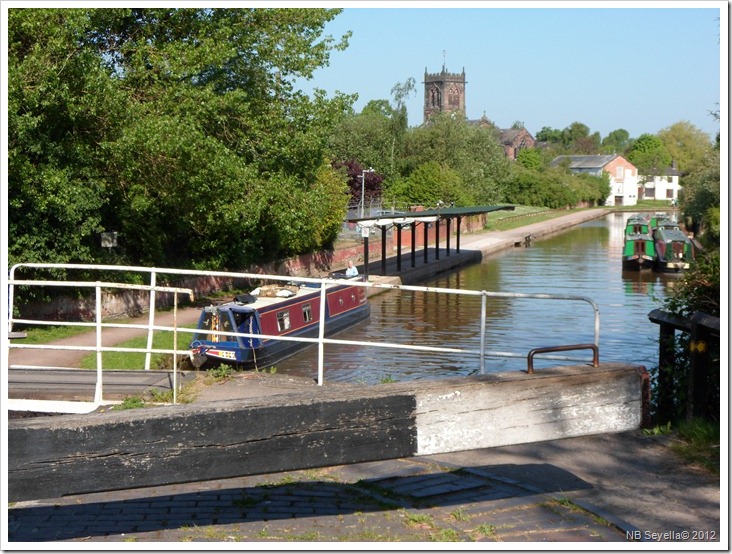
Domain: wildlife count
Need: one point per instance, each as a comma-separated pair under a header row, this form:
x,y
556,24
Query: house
x,y
623,175
663,186
514,140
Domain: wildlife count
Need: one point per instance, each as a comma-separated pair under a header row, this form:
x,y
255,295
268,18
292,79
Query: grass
x,y
527,215
51,333
162,340
520,216
698,443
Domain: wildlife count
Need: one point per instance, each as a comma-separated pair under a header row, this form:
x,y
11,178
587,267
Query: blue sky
x,y
605,64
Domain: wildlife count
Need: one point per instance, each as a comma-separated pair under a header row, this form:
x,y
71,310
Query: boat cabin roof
x,y
672,234
266,296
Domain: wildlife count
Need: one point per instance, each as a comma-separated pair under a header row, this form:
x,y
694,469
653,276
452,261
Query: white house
x,y
623,175
660,187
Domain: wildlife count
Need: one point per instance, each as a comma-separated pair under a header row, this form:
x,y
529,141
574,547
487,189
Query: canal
x,y
582,261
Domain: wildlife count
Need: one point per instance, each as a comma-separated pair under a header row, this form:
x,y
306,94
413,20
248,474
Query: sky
x,y
608,65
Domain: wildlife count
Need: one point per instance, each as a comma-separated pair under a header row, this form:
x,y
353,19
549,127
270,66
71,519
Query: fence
x,y
703,334
151,328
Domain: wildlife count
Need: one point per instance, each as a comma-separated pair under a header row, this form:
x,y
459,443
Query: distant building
x,y
514,140
663,186
623,175
443,92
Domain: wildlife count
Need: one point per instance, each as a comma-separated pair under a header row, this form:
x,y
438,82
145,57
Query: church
x,y
445,92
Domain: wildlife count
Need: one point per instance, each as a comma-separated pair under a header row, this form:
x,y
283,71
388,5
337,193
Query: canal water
x,y
582,261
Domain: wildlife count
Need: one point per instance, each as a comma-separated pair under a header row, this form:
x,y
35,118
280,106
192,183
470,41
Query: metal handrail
x,y
320,340
567,347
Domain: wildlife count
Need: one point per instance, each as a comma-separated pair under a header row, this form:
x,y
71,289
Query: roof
x,y
585,162
508,136
430,215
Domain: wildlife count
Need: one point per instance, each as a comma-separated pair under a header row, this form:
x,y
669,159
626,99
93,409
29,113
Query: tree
x,y
616,142
649,155
371,183
547,134
399,119
430,184
530,158
473,151
701,199
179,128
687,145
577,139
61,107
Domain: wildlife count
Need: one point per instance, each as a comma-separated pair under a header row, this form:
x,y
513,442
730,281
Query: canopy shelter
x,y
400,220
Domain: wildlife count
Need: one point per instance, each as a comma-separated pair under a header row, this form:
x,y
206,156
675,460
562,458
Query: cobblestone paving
x,y
412,500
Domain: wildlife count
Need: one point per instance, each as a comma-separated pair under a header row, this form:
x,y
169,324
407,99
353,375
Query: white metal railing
x,y
320,340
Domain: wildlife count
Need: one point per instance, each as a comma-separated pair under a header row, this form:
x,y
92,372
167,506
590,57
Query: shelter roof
x,y
389,218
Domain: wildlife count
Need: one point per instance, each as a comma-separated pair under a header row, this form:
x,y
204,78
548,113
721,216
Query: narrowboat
x,y
276,311
638,224
666,223
639,252
656,218
674,250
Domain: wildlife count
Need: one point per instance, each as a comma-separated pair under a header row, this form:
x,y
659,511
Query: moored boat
x,y
674,250
276,311
639,252
638,224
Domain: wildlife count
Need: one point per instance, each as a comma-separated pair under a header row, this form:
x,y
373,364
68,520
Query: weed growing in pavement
x,y
460,515
307,536
483,530
130,403
445,535
422,521
220,374
574,508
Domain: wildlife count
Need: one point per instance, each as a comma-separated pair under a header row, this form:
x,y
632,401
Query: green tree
x,y
61,107
701,198
530,158
650,156
549,135
616,142
430,184
473,151
179,128
687,145
365,139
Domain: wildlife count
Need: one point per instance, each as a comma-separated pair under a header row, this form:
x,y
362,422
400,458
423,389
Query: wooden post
x,y
399,247
702,327
413,227
665,382
437,239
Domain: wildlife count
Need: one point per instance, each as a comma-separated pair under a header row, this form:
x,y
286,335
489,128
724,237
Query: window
x,y
283,320
619,173
307,313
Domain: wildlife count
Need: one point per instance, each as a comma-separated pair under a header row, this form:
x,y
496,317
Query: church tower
x,y
443,92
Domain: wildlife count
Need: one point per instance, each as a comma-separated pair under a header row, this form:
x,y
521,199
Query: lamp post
x,y
363,184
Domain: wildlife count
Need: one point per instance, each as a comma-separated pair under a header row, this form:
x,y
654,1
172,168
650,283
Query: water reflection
x,y
583,261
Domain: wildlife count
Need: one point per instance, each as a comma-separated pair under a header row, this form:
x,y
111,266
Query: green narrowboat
x,y
674,250
639,252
